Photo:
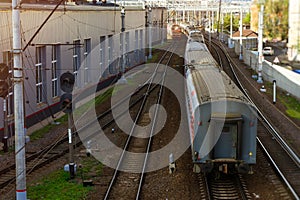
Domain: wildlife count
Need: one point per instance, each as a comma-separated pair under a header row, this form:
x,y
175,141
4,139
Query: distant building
x,y
249,40
294,31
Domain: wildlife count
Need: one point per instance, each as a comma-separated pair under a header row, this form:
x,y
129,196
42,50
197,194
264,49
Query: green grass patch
x,y
40,133
103,97
153,59
64,119
96,101
57,186
90,167
292,104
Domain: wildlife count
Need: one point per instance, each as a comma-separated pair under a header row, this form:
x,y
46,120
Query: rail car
x,y
222,122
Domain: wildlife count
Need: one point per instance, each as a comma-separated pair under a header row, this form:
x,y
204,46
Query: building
x,y
84,38
294,31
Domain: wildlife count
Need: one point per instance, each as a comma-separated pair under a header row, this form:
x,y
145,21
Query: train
x,y
222,121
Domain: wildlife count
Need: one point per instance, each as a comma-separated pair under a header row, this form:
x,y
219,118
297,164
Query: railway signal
x,y
67,81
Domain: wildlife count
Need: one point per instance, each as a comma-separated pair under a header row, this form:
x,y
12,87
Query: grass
x,y
90,167
57,186
292,105
99,99
40,133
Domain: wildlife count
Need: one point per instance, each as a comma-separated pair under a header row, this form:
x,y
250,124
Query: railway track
x,y
131,168
281,156
223,186
58,149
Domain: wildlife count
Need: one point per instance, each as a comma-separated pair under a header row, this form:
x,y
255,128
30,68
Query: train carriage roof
x,y
211,83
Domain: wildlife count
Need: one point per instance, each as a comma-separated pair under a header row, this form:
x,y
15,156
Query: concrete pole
x,y
241,35
260,42
21,193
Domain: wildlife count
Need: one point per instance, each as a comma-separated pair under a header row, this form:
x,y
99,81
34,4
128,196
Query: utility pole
x,y
21,193
123,38
150,33
260,42
219,19
241,34
231,24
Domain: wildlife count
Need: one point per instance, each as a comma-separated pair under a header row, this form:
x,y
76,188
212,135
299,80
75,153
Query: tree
x,y
276,19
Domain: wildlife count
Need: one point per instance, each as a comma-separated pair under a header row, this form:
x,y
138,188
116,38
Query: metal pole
x,y
5,138
71,149
241,35
123,79
260,43
222,26
274,91
219,19
231,24
150,35
21,193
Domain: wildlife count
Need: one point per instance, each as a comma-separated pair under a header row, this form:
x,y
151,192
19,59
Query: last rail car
x,y
222,122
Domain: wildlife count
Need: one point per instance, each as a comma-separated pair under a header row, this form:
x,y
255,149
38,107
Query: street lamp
x,y
123,19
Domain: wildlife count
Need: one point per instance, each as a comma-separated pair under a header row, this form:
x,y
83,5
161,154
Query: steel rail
x,y
153,127
268,125
132,129
278,170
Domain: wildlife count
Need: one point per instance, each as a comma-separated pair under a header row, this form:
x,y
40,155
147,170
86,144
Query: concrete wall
x,y
285,79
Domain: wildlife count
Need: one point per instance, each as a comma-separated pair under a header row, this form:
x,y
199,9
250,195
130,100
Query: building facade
x,y
76,38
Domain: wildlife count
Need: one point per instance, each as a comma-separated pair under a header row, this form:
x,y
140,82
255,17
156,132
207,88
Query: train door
x,y
226,146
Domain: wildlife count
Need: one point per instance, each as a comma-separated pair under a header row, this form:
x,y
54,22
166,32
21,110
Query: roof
x,y
212,84
245,33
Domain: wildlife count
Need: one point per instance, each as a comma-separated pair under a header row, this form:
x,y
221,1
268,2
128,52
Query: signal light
x,y
67,81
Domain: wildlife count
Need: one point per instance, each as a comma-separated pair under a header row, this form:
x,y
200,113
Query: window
x,y
8,60
87,63
127,61
102,55
110,53
136,44
76,57
54,69
142,47
39,74
127,42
